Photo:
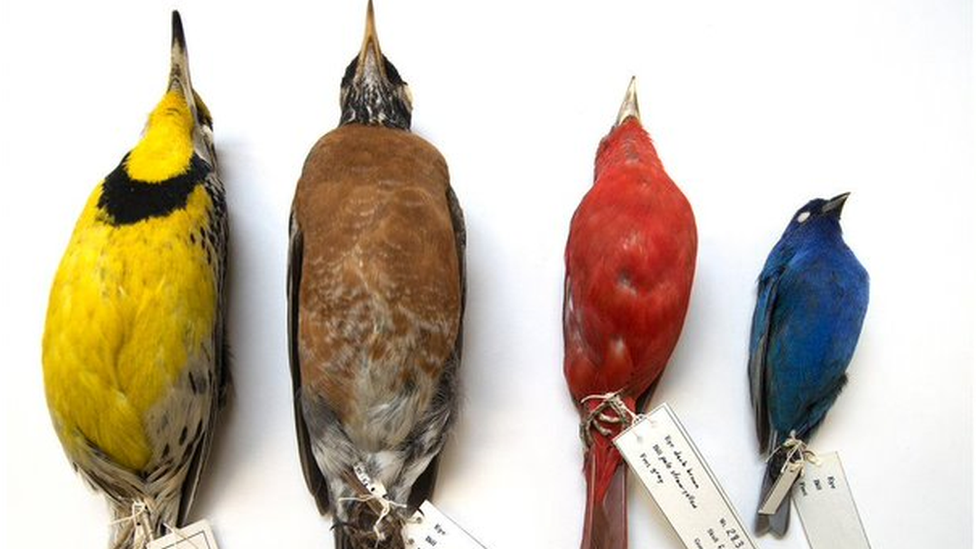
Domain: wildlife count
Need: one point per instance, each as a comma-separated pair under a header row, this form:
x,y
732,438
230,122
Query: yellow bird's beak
x,y
179,72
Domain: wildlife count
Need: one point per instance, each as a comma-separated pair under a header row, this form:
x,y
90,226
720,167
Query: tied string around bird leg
x,y
610,411
142,531
796,451
137,526
375,498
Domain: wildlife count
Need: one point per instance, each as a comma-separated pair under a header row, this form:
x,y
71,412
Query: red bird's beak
x,y
629,107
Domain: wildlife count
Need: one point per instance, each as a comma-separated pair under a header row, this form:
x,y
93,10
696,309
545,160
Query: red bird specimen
x,y
630,261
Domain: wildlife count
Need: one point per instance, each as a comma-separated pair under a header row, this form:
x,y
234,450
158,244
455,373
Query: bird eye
x,y
802,217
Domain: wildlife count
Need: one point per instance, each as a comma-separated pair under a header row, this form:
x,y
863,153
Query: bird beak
x,y
370,62
629,107
179,73
835,204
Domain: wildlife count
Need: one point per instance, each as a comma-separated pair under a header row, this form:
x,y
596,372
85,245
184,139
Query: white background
x,y
755,106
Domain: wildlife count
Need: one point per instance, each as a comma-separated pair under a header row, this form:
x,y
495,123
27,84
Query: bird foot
x,y
611,411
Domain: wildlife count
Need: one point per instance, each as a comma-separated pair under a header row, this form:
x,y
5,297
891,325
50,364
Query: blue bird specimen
x,y
813,294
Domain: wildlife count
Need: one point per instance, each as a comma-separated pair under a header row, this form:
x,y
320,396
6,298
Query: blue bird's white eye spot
x,y
802,217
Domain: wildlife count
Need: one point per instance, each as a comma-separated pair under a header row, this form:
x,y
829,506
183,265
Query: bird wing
x,y
460,244
758,345
423,487
218,389
316,482
817,320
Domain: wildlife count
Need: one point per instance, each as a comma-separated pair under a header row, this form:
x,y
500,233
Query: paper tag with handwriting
x,y
826,507
661,453
429,528
195,536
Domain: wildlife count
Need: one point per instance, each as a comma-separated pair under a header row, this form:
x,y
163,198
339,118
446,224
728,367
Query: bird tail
x,y
605,522
779,522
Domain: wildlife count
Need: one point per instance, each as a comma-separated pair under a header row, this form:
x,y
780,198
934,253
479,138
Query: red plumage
x,y
630,261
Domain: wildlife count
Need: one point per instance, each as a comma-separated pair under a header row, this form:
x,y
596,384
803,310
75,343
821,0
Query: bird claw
x,y
610,411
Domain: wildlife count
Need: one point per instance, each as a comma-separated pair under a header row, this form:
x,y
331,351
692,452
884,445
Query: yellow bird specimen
x,y
133,347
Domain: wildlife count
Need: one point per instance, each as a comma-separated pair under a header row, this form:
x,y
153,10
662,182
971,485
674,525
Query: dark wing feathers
x,y
316,482
758,344
218,386
460,244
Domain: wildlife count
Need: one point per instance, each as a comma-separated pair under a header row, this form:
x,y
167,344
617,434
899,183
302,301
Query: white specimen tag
x,y
826,507
195,536
429,528
661,453
375,487
784,482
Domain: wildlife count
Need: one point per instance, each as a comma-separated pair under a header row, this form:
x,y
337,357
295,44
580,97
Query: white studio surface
x,y
755,107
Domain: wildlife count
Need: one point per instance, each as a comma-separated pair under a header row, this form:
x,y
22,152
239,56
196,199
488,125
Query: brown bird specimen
x,y
375,304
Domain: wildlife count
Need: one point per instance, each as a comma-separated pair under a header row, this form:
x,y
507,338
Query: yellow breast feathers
x,y
136,295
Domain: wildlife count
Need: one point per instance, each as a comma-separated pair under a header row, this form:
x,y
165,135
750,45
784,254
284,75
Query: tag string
x,y
796,451
385,505
610,411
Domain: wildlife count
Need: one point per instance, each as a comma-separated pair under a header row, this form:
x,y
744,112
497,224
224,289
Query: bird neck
x,y
817,231
373,104
167,144
628,143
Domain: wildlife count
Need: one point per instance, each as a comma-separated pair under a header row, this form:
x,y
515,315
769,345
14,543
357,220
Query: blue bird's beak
x,y
835,204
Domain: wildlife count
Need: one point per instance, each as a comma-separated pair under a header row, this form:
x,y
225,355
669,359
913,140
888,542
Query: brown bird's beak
x,y
370,64
629,107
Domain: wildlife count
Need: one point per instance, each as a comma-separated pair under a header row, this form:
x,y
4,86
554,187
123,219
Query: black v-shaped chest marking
x,y
127,201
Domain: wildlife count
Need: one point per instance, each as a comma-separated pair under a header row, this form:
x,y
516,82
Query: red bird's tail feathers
x,y
605,523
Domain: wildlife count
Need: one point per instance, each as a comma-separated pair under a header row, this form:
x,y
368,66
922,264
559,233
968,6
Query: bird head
x,y
627,141
372,91
179,125
818,214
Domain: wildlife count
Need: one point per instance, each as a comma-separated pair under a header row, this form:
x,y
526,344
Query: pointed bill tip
x,y
371,43
629,107
179,40
370,33
836,203
370,17
179,72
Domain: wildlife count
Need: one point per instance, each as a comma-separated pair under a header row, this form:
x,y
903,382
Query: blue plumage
x,y
813,294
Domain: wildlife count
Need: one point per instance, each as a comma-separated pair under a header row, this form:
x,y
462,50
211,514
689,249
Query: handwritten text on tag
x,y
429,528
826,507
661,453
